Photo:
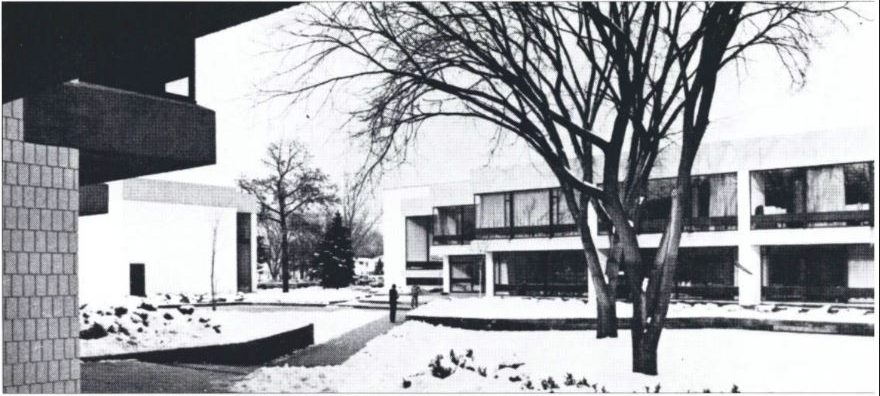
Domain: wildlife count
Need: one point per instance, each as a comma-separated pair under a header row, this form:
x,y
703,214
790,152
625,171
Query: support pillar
x,y
748,277
489,274
749,282
445,275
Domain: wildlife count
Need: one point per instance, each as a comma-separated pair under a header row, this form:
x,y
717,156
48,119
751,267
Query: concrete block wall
x,y
40,287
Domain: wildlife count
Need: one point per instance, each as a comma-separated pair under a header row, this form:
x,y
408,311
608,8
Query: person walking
x,y
415,296
392,301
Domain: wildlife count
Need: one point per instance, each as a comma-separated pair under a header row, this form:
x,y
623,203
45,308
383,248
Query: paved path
x,y
131,376
338,350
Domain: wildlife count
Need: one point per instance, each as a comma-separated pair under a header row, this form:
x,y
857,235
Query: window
x,y
531,208
858,180
418,238
492,211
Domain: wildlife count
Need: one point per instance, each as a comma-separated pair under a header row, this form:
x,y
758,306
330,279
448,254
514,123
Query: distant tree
x,y
380,268
262,250
291,188
334,259
357,216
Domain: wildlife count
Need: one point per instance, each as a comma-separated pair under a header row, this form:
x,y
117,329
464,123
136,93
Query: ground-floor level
x,y
749,274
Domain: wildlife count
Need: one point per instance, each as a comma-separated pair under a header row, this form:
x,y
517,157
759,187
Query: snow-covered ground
x,y
689,360
139,329
558,308
315,295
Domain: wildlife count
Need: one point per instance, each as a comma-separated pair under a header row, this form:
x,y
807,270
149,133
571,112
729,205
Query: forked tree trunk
x,y
649,311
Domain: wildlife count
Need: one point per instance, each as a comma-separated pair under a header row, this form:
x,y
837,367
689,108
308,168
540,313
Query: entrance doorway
x,y
137,280
466,274
243,251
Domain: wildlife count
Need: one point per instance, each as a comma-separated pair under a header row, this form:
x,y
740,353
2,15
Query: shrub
x,y
94,332
437,368
569,379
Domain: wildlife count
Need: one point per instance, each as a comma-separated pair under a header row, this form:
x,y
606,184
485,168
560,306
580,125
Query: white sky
x,y
841,93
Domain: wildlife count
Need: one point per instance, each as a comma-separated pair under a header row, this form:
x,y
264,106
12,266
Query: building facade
x,y
159,237
85,102
776,218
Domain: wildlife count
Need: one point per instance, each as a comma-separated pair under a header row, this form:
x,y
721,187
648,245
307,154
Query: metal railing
x,y
814,220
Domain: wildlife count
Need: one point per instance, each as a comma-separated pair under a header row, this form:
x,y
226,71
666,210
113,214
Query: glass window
x,y
531,208
857,187
417,242
492,211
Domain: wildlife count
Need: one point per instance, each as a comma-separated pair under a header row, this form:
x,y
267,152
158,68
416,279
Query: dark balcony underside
x,y
120,134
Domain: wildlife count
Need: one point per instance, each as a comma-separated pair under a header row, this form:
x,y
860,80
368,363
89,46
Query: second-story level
x,y
781,188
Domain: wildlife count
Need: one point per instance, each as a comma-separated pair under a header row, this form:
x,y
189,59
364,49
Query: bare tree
x,y
291,188
359,218
552,74
213,257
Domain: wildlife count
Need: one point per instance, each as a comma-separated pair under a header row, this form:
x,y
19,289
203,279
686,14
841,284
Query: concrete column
x,y
446,281
749,282
748,277
489,274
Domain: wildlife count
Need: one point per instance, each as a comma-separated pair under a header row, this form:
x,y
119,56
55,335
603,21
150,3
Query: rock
x,y
216,328
85,315
119,311
147,307
186,309
81,307
204,320
140,329
184,299
168,316
406,383
123,330
94,332
111,329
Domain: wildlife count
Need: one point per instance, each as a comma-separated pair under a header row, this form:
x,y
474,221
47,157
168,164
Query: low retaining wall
x,y
244,353
797,326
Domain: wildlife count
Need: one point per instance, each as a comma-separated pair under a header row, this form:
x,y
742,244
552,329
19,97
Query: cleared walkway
x,y
131,376
338,350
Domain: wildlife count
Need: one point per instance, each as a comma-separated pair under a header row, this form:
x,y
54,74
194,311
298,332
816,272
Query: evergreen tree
x,y
380,268
334,259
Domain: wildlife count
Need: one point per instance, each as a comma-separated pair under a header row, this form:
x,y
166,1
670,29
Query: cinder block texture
x,y
40,215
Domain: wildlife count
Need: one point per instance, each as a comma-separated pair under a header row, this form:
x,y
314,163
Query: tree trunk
x,y
645,357
606,315
285,262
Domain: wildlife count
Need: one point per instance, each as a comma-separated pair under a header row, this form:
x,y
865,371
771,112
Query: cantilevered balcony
x,y
822,196
120,134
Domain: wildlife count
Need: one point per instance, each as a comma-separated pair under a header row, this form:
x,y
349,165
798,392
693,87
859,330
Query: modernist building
x,y
158,236
85,103
775,218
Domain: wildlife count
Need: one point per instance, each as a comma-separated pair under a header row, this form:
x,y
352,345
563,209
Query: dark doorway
x,y
243,251
136,280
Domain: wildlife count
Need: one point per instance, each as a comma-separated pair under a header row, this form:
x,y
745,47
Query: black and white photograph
x,y
384,197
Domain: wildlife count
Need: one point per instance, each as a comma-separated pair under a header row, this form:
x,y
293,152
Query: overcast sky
x,y
841,93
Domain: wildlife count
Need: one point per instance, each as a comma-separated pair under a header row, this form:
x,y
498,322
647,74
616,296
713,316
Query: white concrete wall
x,y
394,231
173,241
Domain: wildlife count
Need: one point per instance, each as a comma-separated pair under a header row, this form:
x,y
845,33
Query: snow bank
x,y
170,328
500,307
690,360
